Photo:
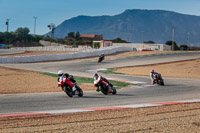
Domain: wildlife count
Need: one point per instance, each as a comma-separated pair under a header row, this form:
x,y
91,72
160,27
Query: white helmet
x,y
60,72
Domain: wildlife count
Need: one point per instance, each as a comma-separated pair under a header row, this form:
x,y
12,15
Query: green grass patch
x,y
50,74
77,78
116,84
120,84
109,70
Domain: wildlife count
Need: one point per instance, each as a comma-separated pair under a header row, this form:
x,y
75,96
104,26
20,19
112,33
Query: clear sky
x,y
21,12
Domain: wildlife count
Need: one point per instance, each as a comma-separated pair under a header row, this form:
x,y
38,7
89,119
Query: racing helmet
x,y
60,72
152,71
96,75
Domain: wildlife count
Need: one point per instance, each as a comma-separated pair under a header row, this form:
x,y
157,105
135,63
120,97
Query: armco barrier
x,y
55,57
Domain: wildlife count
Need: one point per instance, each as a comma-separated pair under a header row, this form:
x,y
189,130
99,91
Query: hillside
x,y
137,26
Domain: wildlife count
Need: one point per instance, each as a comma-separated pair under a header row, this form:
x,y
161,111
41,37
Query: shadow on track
x,y
90,97
130,95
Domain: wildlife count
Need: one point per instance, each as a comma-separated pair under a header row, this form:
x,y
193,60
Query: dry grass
x,y
22,81
181,69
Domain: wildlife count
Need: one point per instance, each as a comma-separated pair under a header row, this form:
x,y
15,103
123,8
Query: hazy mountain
x,y
136,26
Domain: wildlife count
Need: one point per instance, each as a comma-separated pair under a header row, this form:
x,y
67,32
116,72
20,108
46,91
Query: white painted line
x,y
137,82
191,101
140,105
101,69
91,71
63,111
147,85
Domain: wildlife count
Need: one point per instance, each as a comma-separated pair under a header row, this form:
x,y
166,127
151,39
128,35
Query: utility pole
x,y
7,23
173,31
34,24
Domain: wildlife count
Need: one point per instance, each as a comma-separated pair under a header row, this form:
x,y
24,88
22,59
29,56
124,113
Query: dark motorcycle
x,y
68,87
104,86
157,79
101,58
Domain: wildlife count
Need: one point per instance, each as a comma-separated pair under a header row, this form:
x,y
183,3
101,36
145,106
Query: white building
x,y
143,46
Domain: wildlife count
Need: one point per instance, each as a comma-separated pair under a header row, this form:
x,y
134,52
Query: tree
x,y
119,40
7,37
77,36
20,37
60,40
150,42
175,45
183,47
96,45
23,34
71,35
22,31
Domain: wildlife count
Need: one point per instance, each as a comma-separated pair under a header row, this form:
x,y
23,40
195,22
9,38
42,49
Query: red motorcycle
x,y
104,86
69,87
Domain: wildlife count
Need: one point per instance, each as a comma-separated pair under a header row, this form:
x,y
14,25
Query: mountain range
x,y
137,26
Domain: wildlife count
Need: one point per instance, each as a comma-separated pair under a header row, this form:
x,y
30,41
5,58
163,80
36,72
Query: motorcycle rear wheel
x,y
80,91
162,82
103,90
114,91
68,91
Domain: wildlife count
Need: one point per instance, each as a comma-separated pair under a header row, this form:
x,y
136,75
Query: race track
x,y
175,89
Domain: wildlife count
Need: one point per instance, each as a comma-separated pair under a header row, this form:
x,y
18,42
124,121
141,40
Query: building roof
x,y
88,35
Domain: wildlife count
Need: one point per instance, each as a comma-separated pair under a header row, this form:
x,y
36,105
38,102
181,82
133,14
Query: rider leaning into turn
x,y
104,79
62,75
152,73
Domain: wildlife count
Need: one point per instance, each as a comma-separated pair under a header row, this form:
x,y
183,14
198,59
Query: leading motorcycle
x,y
69,87
101,58
104,86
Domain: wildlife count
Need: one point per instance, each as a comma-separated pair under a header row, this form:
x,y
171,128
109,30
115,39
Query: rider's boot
x,y
74,89
97,89
109,89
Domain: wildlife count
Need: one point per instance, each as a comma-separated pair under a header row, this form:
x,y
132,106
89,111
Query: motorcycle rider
x,y
62,75
96,76
101,57
152,73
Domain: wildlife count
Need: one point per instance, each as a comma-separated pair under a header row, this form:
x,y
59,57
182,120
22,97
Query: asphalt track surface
x,y
174,89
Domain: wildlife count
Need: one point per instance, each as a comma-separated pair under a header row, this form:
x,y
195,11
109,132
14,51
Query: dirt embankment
x,y
182,118
21,81
179,69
